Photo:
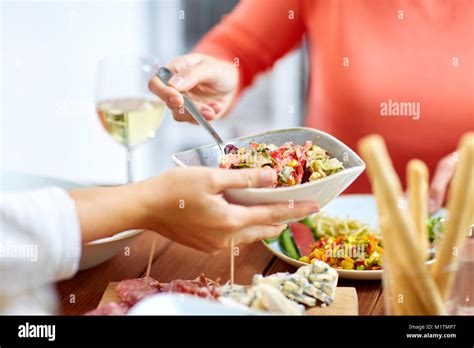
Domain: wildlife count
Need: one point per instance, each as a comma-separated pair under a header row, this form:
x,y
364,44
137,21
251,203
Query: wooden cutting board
x,y
346,302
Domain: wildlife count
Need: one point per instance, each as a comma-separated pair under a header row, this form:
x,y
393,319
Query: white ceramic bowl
x,y
320,191
93,253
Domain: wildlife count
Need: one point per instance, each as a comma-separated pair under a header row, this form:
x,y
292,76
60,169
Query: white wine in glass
x,y
126,109
131,121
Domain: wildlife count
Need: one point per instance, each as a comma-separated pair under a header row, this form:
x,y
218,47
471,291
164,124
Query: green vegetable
x,y
274,239
432,221
287,244
307,222
284,174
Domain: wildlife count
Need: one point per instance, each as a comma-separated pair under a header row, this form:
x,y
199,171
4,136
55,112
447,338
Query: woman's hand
x,y
441,178
187,206
211,83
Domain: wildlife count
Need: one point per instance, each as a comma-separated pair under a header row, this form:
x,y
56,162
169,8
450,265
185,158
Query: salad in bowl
x,y
294,164
311,165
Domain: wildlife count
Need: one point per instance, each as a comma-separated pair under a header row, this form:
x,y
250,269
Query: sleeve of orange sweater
x,y
255,35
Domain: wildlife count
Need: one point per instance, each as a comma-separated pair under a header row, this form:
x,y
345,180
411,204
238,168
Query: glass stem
x,y
128,156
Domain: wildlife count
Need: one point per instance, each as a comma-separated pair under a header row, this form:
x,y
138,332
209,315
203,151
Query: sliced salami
x,y
131,291
112,308
192,287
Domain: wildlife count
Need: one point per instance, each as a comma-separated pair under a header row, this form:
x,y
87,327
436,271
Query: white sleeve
x,y
40,239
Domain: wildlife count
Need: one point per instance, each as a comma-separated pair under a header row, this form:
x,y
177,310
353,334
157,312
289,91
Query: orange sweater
x,y
370,61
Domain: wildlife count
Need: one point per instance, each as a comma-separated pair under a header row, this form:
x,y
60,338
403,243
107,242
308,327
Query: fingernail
x,y
267,176
215,106
207,113
177,81
175,101
314,207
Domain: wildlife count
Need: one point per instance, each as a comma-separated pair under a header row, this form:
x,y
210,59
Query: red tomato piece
x,y
303,237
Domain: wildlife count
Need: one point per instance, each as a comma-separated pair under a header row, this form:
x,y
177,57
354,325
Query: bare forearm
x,y
105,211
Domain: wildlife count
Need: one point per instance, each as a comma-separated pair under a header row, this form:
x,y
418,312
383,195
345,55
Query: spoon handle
x,y
165,74
194,111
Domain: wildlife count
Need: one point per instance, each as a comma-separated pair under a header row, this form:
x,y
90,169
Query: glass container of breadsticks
x,y
461,296
401,296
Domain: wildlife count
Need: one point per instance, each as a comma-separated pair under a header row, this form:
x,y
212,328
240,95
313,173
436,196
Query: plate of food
x,y
311,165
345,236
311,290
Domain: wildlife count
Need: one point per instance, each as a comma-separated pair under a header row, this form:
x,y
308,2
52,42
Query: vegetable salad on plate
x,y
345,244
341,243
294,164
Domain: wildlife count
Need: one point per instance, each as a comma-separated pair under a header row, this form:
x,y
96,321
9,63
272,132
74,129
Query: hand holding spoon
x,y
164,74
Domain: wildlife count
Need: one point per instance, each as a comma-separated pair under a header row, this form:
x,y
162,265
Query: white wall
x,y
49,55
50,51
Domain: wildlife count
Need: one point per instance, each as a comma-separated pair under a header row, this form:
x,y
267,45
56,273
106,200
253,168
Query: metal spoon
x,y
165,75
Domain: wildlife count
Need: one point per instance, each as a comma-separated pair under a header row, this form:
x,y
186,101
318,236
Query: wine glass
x,y
128,111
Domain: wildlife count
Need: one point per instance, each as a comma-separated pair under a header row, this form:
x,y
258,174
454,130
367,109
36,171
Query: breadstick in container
x,y
460,206
417,187
400,237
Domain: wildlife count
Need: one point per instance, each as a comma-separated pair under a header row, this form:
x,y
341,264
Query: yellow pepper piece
x,y
292,163
347,264
314,176
304,259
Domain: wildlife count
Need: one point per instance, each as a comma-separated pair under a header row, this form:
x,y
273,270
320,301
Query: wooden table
x,y
172,261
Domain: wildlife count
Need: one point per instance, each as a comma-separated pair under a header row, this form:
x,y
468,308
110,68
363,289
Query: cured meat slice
x,y
201,287
191,288
131,291
112,308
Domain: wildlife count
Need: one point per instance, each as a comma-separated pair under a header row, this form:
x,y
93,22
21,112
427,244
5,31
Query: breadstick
x,y
390,279
403,296
402,281
466,138
401,233
417,184
460,205
399,283
232,257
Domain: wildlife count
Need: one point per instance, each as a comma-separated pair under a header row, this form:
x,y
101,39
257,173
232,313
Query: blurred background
x,y
50,51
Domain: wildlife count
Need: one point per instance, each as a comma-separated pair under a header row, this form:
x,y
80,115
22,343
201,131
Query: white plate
x,y
358,207
98,251
183,304
320,191
93,253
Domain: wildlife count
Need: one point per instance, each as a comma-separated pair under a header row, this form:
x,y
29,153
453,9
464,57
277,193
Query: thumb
x,y
244,178
436,199
438,189
441,178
